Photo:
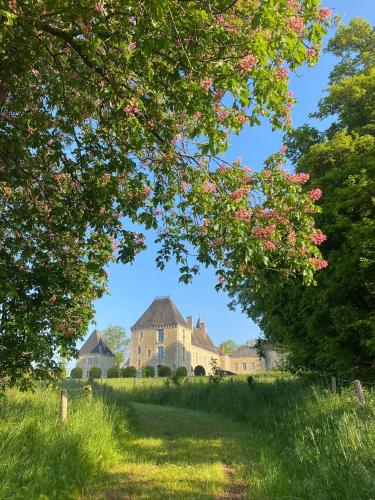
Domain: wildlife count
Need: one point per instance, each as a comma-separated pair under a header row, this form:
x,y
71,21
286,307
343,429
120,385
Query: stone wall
x,y
97,361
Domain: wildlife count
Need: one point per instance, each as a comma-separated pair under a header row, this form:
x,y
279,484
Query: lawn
x,y
283,438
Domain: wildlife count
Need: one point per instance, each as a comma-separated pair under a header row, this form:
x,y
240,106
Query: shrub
x,y
76,372
181,371
95,372
129,371
164,371
148,371
113,372
199,371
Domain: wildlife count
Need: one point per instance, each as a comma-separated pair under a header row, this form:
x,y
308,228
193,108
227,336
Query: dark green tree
x,y
331,326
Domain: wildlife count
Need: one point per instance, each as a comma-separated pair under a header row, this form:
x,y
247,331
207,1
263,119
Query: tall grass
x,y
40,457
302,441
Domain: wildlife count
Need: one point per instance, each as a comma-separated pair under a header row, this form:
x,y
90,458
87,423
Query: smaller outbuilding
x,y
95,353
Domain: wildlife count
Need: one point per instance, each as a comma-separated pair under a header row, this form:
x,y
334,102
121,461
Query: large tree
x,y
112,113
331,326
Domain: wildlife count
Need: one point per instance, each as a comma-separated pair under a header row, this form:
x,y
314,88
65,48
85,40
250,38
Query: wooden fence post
x,y
334,385
359,391
64,405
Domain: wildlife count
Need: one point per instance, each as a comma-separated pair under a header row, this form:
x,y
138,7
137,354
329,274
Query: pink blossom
x,y
292,238
267,173
319,263
247,63
53,299
132,45
13,5
221,280
324,13
102,211
297,24
131,109
315,194
99,8
293,5
147,190
209,187
283,149
240,193
264,232
300,178
243,214
197,115
151,123
242,118
35,73
158,212
311,52
269,245
114,245
206,83
184,185
318,238
282,74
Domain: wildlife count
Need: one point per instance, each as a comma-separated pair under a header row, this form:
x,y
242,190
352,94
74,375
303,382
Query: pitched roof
x,y
202,340
162,312
245,351
95,345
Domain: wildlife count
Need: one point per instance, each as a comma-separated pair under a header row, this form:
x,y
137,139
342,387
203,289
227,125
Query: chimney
x,y
202,327
189,321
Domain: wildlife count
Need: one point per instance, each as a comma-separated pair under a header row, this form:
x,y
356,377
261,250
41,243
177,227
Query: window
x,y
139,349
253,366
183,353
88,374
161,335
89,361
149,353
160,352
236,367
244,366
140,335
139,363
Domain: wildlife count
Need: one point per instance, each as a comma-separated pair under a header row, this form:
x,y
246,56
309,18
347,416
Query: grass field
x,y
284,438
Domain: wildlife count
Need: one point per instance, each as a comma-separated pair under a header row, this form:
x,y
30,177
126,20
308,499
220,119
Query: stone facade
x,y
95,353
161,336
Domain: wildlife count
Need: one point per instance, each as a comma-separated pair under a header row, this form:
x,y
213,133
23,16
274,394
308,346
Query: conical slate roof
x,y
162,312
95,345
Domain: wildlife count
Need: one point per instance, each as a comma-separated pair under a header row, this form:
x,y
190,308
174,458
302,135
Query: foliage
x,y
217,373
164,371
199,371
113,111
181,371
45,459
228,346
115,338
95,372
331,326
148,371
113,372
129,371
76,372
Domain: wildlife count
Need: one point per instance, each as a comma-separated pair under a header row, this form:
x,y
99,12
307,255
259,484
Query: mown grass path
x,y
177,453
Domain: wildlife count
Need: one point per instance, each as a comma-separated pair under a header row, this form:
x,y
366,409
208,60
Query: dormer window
x,y
160,335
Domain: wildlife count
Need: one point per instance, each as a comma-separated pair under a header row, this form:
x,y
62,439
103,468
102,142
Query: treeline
x,y
331,326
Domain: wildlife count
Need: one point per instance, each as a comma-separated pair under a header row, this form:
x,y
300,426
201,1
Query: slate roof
x,y
162,312
243,351
202,340
95,345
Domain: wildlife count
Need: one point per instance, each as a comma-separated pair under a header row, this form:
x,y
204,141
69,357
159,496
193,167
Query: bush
x,y
95,372
164,371
148,371
199,371
181,371
113,372
76,372
129,371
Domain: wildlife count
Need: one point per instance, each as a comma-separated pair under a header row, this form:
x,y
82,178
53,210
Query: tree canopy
x,y
115,338
331,326
115,113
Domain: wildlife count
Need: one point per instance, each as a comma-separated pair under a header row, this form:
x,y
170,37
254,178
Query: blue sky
x,y
133,287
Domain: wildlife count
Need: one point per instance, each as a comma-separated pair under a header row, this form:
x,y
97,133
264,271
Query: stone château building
x,y
95,353
162,336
